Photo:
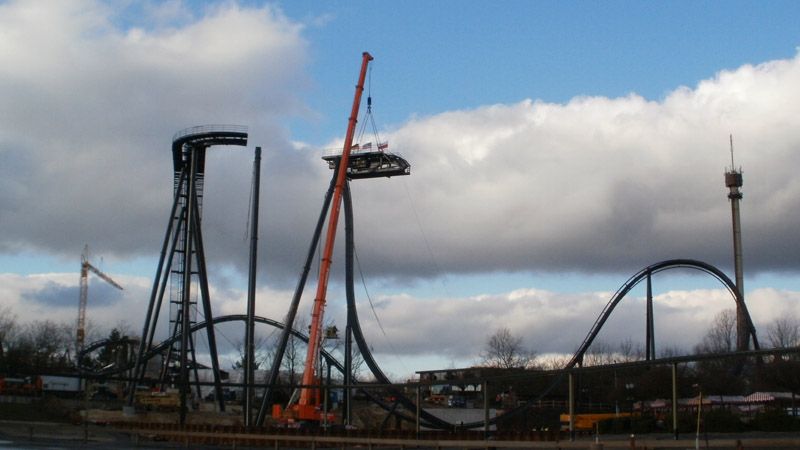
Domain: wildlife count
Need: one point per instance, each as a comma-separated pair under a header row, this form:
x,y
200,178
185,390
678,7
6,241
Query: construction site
x,y
155,392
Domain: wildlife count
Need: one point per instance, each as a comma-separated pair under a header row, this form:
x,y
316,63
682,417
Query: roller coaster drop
x,y
183,261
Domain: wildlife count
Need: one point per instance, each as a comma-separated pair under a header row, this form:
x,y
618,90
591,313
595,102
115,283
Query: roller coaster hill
x,y
329,392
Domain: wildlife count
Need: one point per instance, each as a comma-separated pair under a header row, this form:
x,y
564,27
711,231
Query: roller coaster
x,y
182,266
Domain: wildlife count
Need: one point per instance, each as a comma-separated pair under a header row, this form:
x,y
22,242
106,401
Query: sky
x,y
556,149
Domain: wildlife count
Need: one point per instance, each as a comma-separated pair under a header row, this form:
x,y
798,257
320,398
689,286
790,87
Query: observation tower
x,y
733,181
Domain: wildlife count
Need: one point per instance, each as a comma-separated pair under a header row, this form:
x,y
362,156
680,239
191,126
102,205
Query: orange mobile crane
x,y
307,408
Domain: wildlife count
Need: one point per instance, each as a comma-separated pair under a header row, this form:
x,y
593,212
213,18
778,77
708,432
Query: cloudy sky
x,y
556,149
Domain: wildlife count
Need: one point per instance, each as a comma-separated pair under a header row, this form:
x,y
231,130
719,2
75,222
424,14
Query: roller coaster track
x,y
165,345
643,274
429,419
576,358
203,137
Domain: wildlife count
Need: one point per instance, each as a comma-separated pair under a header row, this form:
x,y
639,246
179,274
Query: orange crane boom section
x,y
307,407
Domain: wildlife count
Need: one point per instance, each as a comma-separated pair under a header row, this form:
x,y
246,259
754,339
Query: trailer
x,y
61,385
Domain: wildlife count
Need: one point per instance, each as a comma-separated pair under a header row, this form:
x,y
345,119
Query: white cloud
x,y
456,329
596,184
434,332
90,109
54,296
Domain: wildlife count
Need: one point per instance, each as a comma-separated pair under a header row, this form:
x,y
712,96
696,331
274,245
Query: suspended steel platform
x,y
369,163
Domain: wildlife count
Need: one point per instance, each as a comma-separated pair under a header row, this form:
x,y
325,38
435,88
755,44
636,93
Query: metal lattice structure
x,y
182,262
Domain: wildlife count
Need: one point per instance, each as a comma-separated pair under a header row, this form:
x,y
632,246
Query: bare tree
x,y
553,362
505,350
783,372
721,337
52,341
784,332
598,354
8,324
263,352
672,350
294,356
40,345
630,351
720,376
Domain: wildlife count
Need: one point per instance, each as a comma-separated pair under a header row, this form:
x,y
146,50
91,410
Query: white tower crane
x,y
86,266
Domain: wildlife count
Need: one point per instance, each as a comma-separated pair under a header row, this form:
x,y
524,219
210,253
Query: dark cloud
x,y
58,295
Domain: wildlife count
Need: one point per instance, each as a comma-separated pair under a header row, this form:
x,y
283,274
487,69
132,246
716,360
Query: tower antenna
x,y
733,167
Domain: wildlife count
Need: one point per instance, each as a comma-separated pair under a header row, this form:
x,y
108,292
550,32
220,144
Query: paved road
x,y
56,436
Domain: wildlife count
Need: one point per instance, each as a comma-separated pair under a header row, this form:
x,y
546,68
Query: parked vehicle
x,y
61,385
21,386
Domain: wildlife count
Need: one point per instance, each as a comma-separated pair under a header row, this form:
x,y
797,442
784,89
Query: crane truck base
x,y
296,415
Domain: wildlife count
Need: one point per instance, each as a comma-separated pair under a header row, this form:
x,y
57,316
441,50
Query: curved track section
x,y
105,343
165,345
242,318
204,136
641,275
96,345
353,323
433,421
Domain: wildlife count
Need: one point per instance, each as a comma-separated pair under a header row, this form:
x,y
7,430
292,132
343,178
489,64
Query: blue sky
x,y
440,56
556,149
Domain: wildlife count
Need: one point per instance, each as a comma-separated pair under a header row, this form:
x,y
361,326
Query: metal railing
x,y
204,129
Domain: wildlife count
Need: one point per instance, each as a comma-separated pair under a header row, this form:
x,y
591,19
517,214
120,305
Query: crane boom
x,y
306,408
86,267
103,276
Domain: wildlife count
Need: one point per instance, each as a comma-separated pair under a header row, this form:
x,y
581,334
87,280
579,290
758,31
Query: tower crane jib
x,y
87,267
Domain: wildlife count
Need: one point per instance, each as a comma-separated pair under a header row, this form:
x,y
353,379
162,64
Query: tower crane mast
x,y
87,267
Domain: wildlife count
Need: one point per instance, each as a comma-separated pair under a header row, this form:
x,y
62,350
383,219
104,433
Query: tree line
x,y
47,346
504,349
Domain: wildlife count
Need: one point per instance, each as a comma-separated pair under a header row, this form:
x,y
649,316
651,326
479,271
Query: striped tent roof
x,y
717,400
766,397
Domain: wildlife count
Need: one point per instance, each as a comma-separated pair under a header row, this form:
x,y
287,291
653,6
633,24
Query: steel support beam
x,y
675,399
205,294
650,351
152,311
250,354
290,316
187,284
571,381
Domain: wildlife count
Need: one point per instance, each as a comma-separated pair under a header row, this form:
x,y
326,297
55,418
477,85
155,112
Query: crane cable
x,y
372,307
436,267
368,116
